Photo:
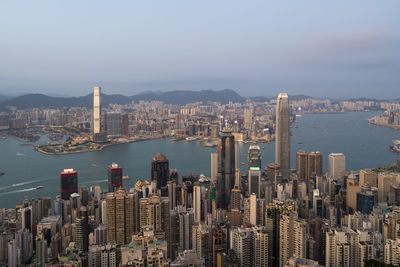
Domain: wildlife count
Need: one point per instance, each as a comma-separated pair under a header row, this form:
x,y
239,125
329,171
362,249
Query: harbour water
x,y
365,146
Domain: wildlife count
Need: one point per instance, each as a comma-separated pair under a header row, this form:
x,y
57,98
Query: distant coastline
x,y
39,148
373,122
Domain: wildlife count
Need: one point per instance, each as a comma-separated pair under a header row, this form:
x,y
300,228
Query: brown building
x,y
121,212
124,125
308,165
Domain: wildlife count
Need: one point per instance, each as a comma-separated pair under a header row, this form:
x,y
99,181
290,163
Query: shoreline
x,y
395,127
37,148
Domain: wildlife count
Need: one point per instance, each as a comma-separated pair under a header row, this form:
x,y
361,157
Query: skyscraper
x,y
254,157
160,170
248,118
226,169
114,177
282,134
96,110
113,120
337,166
69,183
308,164
197,202
121,214
214,166
254,180
125,125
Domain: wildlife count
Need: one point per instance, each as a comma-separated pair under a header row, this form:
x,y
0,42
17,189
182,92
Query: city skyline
x,y
259,47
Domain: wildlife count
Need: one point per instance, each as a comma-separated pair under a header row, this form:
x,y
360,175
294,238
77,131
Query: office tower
x,y
197,202
282,135
301,164
96,110
82,230
272,222
114,177
337,166
241,242
160,170
365,199
254,180
368,177
248,118
314,164
69,183
237,167
226,169
121,212
214,166
273,171
125,125
235,199
254,157
113,120
84,193
384,182
308,165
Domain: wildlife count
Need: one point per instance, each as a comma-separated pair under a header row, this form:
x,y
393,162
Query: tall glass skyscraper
x,y
226,169
282,134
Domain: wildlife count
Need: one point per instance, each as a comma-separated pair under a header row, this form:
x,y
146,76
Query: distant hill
x,y
44,101
3,98
265,98
184,97
173,97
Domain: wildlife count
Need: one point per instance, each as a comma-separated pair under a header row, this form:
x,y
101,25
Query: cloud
x,y
362,50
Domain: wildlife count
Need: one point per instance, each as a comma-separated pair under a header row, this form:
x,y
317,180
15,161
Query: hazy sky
x,y
320,48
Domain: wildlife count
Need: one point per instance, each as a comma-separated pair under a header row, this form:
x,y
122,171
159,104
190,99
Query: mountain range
x,y
172,97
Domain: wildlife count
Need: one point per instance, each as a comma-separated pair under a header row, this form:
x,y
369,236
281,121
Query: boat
x,y
39,187
191,138
125,177
299,143
242,163
211,144
395,147
2,173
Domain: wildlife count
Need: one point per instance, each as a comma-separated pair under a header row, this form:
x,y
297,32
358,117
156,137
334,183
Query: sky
x,y
336,49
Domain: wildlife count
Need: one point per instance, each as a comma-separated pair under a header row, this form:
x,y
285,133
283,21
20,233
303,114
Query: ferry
x,y
39,187
211,144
